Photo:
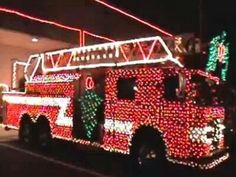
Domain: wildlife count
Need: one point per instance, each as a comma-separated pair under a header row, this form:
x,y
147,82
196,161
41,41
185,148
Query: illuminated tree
x,y
90,103
219,55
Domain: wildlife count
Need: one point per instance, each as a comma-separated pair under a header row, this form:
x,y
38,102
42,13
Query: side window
x,y
206,91
171,84
125,88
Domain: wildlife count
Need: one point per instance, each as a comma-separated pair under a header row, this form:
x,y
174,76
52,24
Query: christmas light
x,y
97,36
118,126
133,17
62,103
63,77
218,55
90,102
206,166
35,68
38,19
185,133
47,103
35,39
4,87
9,126
76,58
159,60
163,98
202,134
89,83
80,31
177,132
14,72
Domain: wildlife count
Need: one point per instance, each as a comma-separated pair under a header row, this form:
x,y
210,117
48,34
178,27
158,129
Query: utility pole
x,y
200,23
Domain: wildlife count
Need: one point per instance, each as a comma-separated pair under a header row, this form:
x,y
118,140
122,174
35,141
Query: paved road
x,y
65,160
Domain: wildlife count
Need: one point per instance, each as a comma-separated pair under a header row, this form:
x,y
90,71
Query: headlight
x,y
212,134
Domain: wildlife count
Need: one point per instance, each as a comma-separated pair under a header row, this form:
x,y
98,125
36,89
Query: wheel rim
x,y
26,133
146,154
44,136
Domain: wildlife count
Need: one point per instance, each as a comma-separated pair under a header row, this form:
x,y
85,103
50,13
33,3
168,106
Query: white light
x,y
34,39
118,126
38,57
55,78
62,103
5,87
135,88
14,73
116,45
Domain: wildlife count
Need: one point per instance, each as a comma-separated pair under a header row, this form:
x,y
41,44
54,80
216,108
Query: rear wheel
x,y
44,134
26,131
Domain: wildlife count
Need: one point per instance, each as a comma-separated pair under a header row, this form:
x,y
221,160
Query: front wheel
x,y
147,153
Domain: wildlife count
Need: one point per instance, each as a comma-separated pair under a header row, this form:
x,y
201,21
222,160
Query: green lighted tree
x,y
219,55
90,102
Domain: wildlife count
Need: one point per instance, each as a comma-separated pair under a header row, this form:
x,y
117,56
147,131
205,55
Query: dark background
x,y
213,16
174,16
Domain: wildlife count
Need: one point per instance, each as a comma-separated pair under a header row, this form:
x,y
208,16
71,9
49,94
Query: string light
x,y
185,133
183,128
14,72
219,54
89,83
76,58
80,31
50,78
90,102
97,36
189,131
59,110
205,166
133,17
4,87
31,59
62,103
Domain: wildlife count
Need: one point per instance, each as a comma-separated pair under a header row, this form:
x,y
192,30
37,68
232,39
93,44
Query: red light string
x,y
97,36
135,18
38,19
81,40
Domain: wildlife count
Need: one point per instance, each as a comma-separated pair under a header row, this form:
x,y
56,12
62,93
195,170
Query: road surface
x,y
66,160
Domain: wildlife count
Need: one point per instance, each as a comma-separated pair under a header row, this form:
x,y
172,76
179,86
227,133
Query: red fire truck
x,y
3,88
133,97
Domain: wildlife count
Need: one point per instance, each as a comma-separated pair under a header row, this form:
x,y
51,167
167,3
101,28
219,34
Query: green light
x,y
90,102
217,56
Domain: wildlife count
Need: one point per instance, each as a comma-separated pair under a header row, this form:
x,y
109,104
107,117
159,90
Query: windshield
x,y
207,91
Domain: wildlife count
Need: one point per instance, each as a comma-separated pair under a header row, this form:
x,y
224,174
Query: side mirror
x,y
181,94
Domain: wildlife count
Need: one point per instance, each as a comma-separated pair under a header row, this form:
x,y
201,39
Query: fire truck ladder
x,y
114,54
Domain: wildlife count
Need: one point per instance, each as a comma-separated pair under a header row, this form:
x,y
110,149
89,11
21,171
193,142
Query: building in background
x,y
29,27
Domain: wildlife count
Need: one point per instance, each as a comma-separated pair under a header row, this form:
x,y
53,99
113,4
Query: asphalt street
x,y
67,160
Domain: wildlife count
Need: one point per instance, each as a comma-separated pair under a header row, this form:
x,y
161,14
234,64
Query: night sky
x,y
183,16
174,16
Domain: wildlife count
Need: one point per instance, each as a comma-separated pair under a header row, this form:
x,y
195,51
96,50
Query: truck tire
x,y
44,136
26,131
147,152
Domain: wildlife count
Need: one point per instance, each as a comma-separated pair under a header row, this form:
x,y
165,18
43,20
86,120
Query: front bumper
x,y
203,163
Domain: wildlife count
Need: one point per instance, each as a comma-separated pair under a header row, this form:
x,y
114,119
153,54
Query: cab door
x,y
174,111
89,115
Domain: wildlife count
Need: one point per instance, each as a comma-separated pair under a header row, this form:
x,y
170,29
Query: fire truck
x,y
133,97
3,88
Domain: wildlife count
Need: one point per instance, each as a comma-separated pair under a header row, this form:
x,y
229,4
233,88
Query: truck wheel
x,y
44,135
26,131
147,152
